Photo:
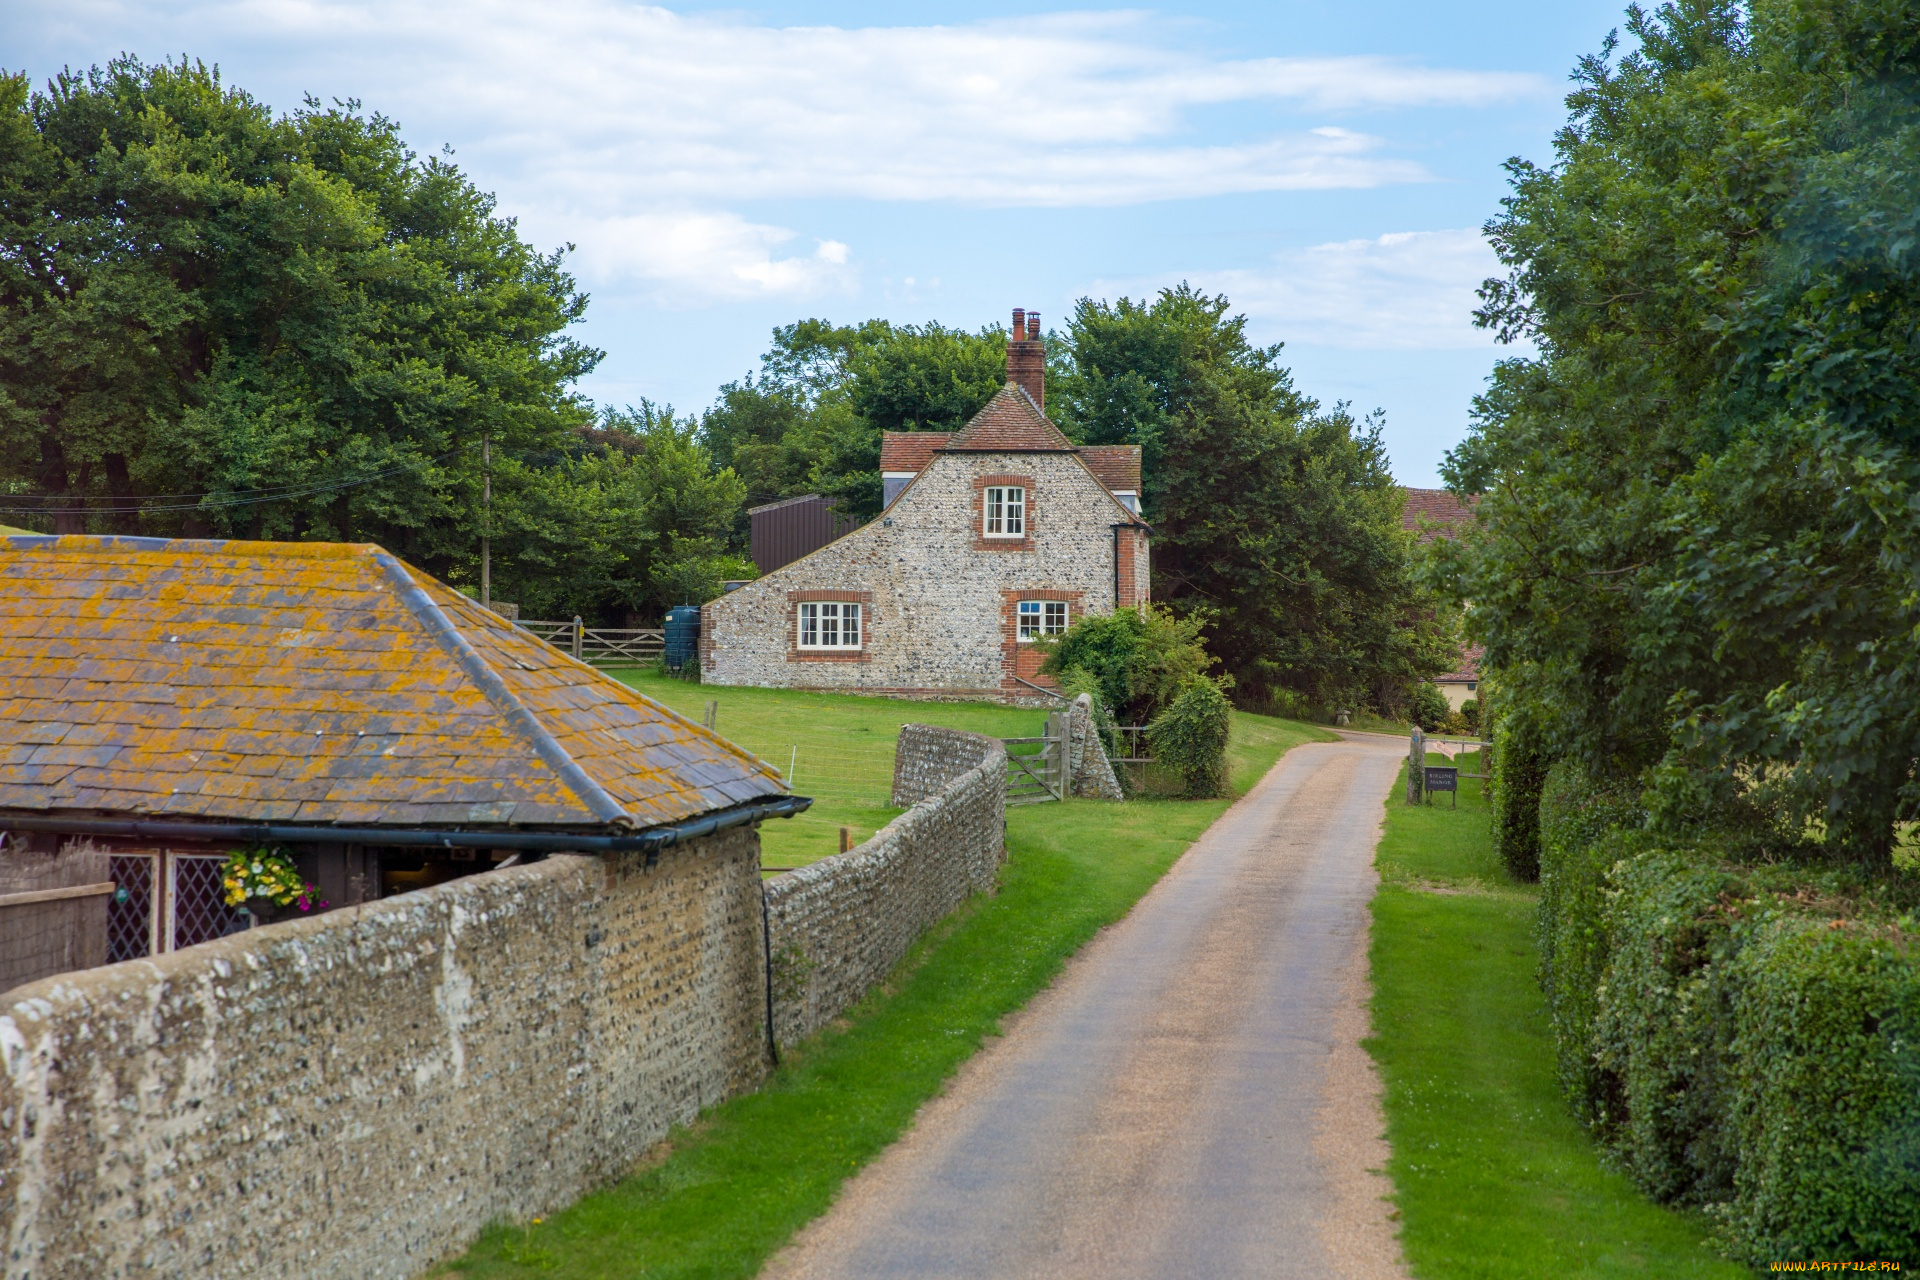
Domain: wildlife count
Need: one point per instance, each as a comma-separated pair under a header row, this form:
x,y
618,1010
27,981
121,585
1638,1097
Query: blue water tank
x,y
683,636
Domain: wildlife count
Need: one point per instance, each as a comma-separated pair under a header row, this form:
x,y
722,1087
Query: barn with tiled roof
x,y
177,699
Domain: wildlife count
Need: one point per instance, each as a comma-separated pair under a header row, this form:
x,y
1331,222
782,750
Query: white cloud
x,y
702,257
1409,290
603,102
627,128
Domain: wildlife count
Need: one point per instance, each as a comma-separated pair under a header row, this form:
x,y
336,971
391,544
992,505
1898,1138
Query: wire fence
x,y
853,773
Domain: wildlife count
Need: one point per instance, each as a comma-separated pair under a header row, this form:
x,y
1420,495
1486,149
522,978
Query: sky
x,y
722,170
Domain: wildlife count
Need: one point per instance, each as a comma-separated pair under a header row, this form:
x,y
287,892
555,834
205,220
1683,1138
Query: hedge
x,y
1581,835
1741,1037
1519,774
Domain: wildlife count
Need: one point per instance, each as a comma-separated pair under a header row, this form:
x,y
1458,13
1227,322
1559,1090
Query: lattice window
x,y
200,912
130,909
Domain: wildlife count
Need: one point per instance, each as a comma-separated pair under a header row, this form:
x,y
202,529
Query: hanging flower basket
x,y
263,882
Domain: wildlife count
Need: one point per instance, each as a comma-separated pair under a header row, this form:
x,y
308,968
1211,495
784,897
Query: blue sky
x,y
722,170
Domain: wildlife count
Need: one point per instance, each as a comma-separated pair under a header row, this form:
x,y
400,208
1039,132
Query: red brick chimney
x,y
1027,356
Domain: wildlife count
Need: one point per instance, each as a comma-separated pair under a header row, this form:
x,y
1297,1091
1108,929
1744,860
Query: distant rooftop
x,y
1434,513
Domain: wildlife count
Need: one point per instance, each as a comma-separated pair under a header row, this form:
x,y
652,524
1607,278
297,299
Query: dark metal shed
x,y
793,527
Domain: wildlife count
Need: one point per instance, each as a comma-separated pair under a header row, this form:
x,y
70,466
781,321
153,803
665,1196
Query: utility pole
x,y
486,521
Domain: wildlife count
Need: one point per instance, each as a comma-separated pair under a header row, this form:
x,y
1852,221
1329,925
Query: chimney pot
x,y
1026,360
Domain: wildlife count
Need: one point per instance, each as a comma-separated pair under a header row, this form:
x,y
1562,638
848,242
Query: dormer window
x,y
1006,512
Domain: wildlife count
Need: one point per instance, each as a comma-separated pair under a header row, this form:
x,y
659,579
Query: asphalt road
x,y
1188,1099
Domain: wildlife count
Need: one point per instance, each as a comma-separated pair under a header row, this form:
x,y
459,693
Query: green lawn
x,y
840,749
1493,1177
725,1194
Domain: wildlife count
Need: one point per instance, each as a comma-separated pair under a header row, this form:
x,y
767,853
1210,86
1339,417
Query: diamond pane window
x,y
130,909
200,910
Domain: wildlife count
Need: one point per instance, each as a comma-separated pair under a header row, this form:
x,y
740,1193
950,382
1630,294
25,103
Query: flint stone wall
x,y
355,1096
936,595
839,926
1093,776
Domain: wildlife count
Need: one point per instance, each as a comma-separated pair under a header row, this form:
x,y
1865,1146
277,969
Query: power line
x,y
251,498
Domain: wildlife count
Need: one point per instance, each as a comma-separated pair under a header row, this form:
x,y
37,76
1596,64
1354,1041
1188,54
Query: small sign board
x,y
1442,777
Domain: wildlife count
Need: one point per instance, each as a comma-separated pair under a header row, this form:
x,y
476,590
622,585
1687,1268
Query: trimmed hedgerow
x,y
1519,773
1825,1089
1582,834
1752,1038
1663,1023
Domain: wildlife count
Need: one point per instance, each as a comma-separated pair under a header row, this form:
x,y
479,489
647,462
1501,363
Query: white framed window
x,y
829,624
1042,618
1006,512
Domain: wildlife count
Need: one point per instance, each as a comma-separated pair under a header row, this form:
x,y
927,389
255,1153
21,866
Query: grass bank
x,y
723,1195
838,747
1492,1176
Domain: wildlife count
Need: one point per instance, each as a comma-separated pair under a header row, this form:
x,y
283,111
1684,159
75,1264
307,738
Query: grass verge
x,y
1492,1176
723,1195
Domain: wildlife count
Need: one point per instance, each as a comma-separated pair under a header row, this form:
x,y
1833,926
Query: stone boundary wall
x,y
840,925
1093,776
355,1096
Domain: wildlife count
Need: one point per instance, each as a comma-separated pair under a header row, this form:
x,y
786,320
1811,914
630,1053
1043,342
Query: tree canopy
x,y
809,420
1276,520
220,321
1701,526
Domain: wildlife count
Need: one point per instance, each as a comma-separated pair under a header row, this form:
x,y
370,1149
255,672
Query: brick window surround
x,y
862,598
1023,658
981,542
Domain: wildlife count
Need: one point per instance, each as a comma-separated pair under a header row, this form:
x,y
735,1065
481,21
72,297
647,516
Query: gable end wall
x,y
937,595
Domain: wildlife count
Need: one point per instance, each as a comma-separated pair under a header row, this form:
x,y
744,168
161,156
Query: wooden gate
x,y
1035,777
601,646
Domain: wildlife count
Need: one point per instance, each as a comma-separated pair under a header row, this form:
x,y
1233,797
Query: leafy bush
x,y
1191,737
1664,1023
1743,1037
1580,839
1141,658
1825,1088
1078,680
1428,707
1519,773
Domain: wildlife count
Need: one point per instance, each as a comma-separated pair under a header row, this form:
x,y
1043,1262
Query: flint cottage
x,y
992,537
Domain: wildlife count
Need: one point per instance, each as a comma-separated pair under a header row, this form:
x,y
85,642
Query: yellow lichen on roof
x,y
317,683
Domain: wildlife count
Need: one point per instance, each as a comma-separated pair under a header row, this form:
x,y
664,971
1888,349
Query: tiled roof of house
x,y
902,451
1010,422
1469,668
1117,466
318,683
1434,513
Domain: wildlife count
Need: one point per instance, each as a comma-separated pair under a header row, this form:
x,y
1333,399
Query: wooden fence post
x,y
1416,763
578,634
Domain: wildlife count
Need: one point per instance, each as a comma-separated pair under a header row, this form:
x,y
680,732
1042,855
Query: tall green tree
x,y
1275,519
201,300
810,420
622,522
1702,511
